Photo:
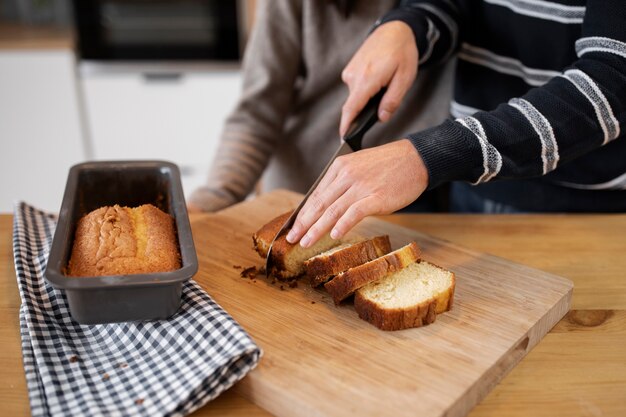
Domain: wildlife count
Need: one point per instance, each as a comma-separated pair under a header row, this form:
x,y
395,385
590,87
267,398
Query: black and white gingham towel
x,y
167,367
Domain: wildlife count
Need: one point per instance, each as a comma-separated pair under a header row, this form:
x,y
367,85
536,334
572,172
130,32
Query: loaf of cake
x,y
116,240
346,283
411,297
287,259
321,268
392,290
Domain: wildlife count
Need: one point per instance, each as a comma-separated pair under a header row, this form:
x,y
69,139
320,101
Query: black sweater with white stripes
x,y
540,97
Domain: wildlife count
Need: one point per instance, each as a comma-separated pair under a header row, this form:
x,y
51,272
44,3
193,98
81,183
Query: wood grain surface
x,y
321,360
578,369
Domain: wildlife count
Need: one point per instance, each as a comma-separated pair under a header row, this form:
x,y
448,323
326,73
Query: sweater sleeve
x,y
270,67
435,24
574,113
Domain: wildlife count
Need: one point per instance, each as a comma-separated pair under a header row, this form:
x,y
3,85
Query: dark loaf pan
x,y
119,298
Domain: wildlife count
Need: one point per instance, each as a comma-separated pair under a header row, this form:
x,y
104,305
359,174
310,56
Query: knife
x,y
351,142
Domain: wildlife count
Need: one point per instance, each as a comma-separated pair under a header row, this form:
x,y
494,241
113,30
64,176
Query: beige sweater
x,y
286,122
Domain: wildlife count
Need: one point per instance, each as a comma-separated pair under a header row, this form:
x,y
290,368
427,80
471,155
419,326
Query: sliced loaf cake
x,y
319,269
411,297
287,259
346,283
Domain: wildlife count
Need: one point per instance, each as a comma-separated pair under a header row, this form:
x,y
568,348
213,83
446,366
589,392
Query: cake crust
x,y
115,240
346,283
283,251
262,240
322,268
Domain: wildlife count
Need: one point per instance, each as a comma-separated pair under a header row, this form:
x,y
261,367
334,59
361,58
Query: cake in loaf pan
x,y
114,240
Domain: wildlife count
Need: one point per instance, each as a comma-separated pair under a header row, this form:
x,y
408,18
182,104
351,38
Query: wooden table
x,y
578,369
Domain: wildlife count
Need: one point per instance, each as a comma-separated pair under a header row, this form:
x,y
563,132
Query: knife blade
x,y
351,142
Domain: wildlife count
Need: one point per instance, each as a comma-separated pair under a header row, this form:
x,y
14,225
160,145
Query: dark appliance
x,y
158,30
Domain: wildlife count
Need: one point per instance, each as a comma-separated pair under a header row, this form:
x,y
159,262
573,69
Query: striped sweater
x,y
540,95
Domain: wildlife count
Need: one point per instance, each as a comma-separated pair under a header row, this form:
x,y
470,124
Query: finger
x,y
355,213
328,219
353,105
327,191
397,89
357,99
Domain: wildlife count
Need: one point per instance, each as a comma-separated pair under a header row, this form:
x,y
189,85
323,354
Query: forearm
x,y
569,116
237,167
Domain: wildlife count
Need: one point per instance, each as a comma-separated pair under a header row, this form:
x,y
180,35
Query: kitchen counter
x,y
16,36
578,369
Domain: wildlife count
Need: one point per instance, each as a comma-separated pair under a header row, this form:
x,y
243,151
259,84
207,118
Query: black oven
x,y
158,30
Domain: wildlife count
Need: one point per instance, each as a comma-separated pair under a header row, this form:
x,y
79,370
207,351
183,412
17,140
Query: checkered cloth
x,y
168,367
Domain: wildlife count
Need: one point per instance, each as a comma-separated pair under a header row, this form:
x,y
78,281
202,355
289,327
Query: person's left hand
x,y
373,181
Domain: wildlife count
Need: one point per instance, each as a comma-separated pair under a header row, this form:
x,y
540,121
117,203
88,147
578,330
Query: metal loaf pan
x,y
119,298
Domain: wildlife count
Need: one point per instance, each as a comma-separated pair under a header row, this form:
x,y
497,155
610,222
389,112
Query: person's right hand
x,y
387,58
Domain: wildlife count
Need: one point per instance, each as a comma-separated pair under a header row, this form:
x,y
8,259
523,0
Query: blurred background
x,y
113,79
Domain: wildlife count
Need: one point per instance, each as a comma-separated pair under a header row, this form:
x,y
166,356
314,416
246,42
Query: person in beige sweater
x,y
285,125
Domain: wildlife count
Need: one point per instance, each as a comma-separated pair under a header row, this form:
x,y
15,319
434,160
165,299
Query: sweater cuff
x,y
449,153
414,19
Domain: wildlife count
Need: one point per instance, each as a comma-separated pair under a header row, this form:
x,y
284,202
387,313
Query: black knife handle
x,y
362,123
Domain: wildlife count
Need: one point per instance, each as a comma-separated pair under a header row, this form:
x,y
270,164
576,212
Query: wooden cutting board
x,y
322,360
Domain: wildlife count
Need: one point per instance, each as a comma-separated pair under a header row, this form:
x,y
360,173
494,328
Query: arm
x,y
418,33
571,115
250,134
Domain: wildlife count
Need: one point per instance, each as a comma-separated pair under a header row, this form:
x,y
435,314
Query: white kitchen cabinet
x,y
175,117
40,129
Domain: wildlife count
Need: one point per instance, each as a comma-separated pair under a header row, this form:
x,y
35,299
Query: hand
x,y
379,180
388,57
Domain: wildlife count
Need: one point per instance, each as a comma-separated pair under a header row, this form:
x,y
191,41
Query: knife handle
x,y
363,122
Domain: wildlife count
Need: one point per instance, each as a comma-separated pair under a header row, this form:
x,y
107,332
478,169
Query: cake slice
x,y
346,283
287,259
319,269
411,297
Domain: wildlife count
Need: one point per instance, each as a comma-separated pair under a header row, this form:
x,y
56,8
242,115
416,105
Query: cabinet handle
x,y
162,77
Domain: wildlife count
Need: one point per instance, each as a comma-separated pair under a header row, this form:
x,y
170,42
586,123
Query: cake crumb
x,y
312,302
139,401
123,365
237,266
282,288
105,376
73,359
250,272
